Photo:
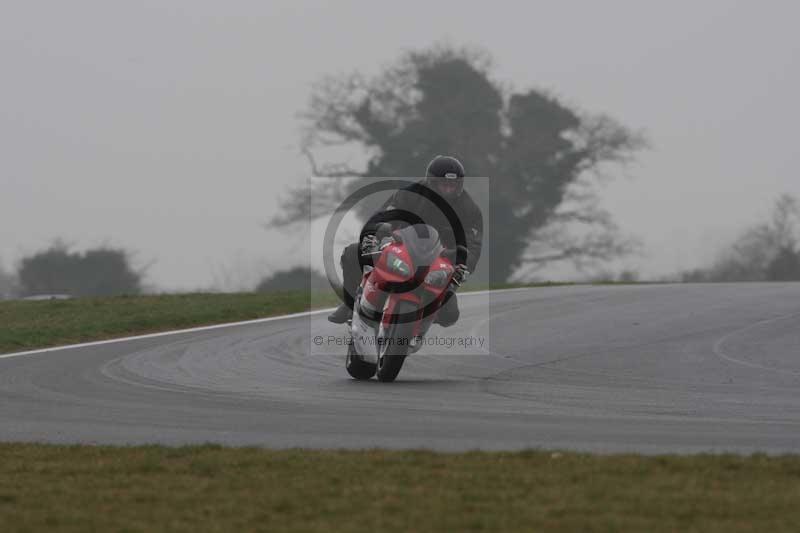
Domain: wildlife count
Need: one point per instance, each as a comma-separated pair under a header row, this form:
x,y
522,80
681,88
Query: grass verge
x,y
210,488
27,325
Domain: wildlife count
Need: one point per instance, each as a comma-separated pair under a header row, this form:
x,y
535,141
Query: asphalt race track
x,y
660,368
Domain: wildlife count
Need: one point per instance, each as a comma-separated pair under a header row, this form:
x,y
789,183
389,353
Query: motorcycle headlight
x,y
437,278
397,265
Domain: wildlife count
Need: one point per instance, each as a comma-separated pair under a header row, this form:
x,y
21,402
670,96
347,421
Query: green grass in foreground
x,y
208,488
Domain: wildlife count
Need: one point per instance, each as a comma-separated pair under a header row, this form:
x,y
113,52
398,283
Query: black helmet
x,y
445,175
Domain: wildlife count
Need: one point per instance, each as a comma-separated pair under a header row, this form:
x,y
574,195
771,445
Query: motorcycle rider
x,y
444,176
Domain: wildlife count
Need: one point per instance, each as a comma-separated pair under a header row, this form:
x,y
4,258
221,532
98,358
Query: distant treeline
x,y
57,270
108,271
769,251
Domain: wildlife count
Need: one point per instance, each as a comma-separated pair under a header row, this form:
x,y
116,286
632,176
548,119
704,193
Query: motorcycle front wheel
x,y
394,343
356,367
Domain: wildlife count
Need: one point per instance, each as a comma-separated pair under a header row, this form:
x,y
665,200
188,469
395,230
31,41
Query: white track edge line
x,y
213,327
166,333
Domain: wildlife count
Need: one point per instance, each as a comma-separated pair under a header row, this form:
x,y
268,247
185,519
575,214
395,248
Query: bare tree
x,y
753,255
443,100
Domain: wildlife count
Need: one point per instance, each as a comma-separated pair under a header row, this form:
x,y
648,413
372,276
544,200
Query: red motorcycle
x,y
398,299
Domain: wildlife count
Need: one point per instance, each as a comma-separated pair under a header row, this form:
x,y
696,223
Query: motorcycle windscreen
x,y
422,243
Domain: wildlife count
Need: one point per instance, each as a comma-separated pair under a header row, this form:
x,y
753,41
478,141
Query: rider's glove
x,y
461,274
369,244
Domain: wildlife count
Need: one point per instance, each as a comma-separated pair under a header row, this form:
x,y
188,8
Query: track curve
x,y
661,368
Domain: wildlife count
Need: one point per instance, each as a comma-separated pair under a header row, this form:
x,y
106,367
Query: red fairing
x,y
441,264
382,266
376,281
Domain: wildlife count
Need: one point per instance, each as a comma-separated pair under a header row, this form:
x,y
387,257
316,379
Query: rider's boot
x,y
342,314
449,312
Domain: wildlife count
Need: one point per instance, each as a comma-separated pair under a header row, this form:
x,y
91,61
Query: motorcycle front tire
x,y
356,367
394,350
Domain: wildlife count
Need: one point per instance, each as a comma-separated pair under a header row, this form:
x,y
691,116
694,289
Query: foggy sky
x,y
169,127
